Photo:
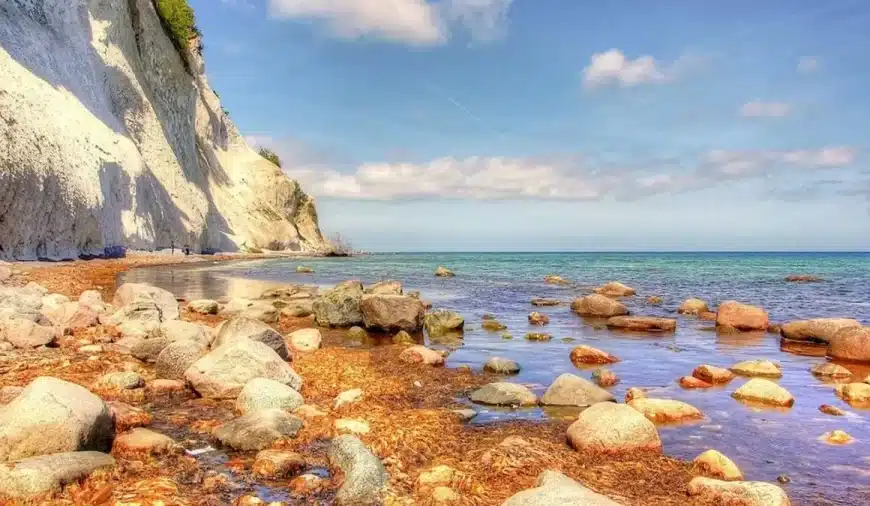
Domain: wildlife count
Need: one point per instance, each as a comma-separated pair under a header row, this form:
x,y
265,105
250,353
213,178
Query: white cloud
x,y
612,67
485,19
759,109
809,64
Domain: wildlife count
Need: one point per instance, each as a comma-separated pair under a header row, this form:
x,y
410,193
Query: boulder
x,y
552,279
709,316
634,393
339,307
223,372
235,306
141,441
605,377
444,272
819,330
130,292
358,334
365,478
831,370
389,287
301,269
258,430
277,464
555,489
598,306
759,368
642,324
298,308
712,374
572,390
542,302
178,330
305,340
76,419
693,307
261,310
584,354
492,326
391,313
858,393
666,410
538,336
852,344
8,393
713,464
536,318
402,337
421,355
615,289
71,316
763,391
607,428
142,317
743,493
93,300
122,380
837,437
25,334
262,393
43,474
148,350
504,394
654,300
442,322
127,417
740,316
251,329
204,306
501,365
831,410
176,358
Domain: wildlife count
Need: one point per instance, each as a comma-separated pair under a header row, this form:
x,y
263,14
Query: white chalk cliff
x,y
111,139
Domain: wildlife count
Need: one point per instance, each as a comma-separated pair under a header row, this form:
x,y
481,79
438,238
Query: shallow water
x,y
764,443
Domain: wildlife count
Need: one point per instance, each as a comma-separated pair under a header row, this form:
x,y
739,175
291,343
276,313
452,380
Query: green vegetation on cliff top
x,y
271,156
178,20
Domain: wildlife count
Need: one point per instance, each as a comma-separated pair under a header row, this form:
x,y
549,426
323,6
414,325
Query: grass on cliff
x,y
270,155
178,20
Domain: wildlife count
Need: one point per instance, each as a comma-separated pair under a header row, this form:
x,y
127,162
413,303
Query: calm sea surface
x,y
764,443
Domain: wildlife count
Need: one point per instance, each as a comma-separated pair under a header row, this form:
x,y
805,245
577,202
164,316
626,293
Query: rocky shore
x,y
282,400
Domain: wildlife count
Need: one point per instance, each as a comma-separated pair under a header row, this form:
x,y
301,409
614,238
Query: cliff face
x,y
109,139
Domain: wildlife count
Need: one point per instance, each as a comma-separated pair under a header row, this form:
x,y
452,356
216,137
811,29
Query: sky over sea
x,y
559,125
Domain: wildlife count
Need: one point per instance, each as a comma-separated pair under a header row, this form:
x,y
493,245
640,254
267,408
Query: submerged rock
x,y
392,312
224,371
444,272
572,390
613,429
555,489
666,410
536,318
803,278
442,322
364,475
744,493
764,391
741,316
713,464
837,437
584,354
47,473
538,336
504,394
492,326
258,430
712,374
693,307
615,289
542,302
552,279
261,393
598,306
642,324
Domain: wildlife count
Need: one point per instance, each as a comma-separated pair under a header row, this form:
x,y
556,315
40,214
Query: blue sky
x,y
559,125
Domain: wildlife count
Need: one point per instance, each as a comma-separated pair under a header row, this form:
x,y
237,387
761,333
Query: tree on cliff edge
x,y
270,155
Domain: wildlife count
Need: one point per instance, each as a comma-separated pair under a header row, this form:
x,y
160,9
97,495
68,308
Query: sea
x,y
767,444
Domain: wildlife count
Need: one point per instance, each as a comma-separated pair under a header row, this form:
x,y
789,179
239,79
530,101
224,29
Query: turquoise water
x,y
764,443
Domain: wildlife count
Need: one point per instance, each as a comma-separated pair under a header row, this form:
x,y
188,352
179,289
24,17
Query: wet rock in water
x,y
25,334
204,306
48,473
536,318
302,269
277,464
244,328
391,313
305,340
572,390
262,393
421,355
598,306
258,430
666,410
357,334
552,279
693,307
831,370
553,488
819,330
141,441
759,368
178,330
713,464
223,372
607,428
634,393
857,393
403,337
707,316
130,292
364,475
764,391
837,437
501,365
744,493
584,354
803,278
605,377
76,419
127,417
741,316
504,394
8,393
442,322
538,336
615,289
492,326
176,358
831,410
444,272
542,302
642,324
465,414
712,374
774,328
339,307
351,426
507,336
122,380
388,287
347,397
851,344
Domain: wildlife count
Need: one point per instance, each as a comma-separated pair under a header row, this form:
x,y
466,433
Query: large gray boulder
x,y
258,430
21,302
142,315
243,327
26,334
70,315
262,393
365,477
571,390
441,322
223,372
339,307
130,292
555,489
47,473
178,330
392,313
75,419
176,358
